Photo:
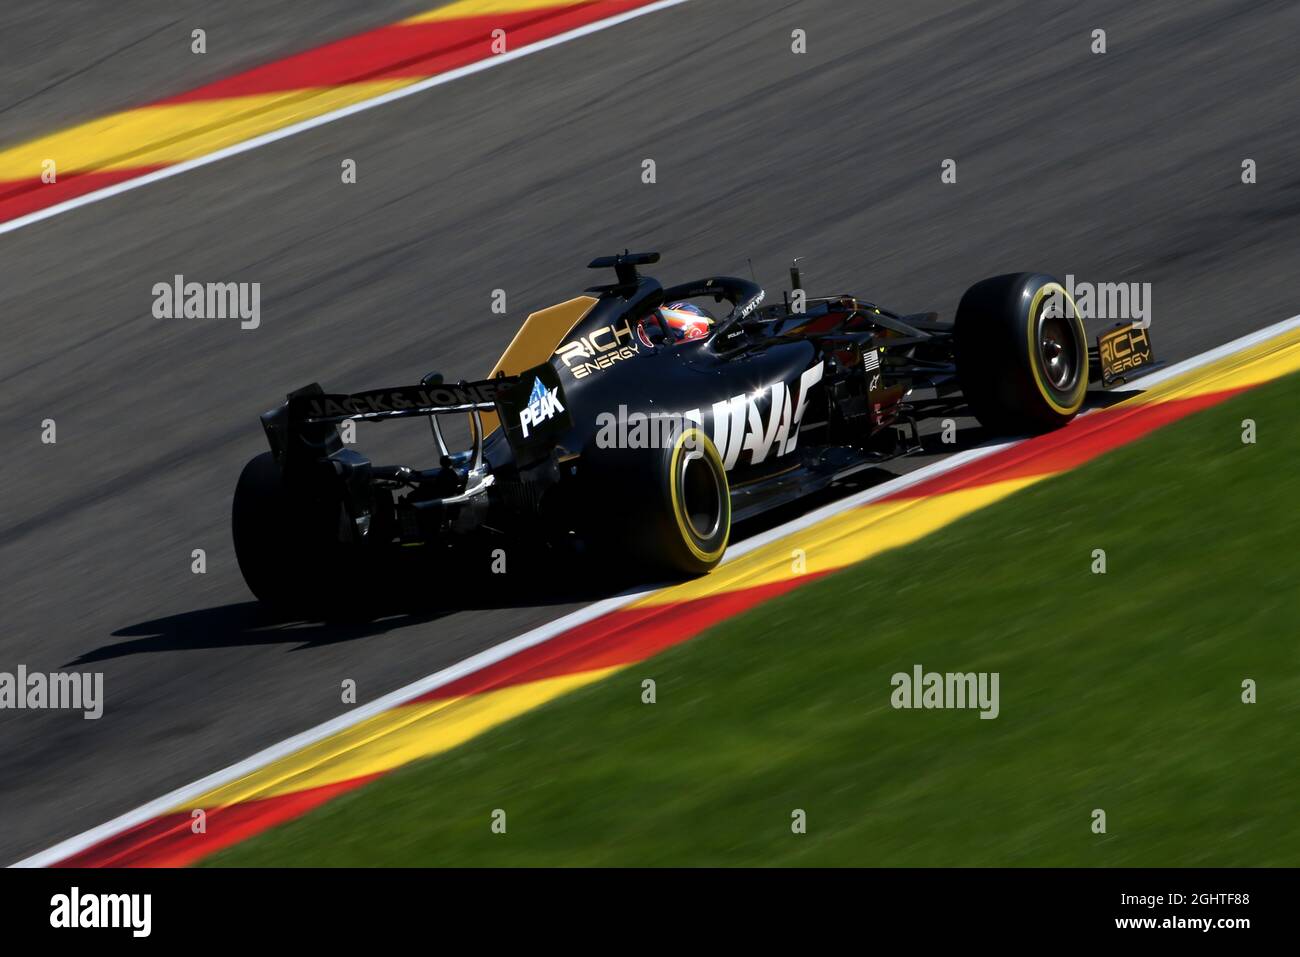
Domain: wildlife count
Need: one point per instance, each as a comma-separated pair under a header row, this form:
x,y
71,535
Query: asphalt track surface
x,y
1123,167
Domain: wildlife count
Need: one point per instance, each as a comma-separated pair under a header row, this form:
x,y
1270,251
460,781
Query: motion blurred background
x,y
1120,167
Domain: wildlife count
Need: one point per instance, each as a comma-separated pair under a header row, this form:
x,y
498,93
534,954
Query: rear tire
x,y
285,559
670,508
1022,369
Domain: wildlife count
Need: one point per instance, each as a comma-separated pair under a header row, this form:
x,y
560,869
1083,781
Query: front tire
x,y
1023,364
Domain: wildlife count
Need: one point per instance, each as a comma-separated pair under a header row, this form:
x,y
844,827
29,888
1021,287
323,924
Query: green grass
x,y
1119,691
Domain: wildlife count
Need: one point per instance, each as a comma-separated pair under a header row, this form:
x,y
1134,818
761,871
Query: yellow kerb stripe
x,y
1254,366
483,8
173,133
393,738
841,540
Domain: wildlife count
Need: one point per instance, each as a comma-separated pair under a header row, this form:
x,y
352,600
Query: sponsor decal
x,y
753,304
382,401
1122,350
598,350
543,403
763,423
739,425
871,366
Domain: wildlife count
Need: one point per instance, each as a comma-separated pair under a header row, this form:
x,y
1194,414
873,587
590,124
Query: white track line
x,y
179,797
275,135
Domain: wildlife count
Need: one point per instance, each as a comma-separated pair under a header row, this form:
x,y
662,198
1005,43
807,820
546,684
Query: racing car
x,y
645,421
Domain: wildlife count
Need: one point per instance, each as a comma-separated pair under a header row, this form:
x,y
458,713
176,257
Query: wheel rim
x,y
701,495
1058,351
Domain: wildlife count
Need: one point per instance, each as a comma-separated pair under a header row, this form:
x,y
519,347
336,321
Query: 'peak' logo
x,y
543,403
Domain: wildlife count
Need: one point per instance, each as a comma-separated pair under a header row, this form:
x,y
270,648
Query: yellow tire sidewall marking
x,y
1044,391
706,448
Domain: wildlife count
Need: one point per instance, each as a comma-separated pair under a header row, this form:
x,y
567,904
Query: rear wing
x,y
531,407
318,408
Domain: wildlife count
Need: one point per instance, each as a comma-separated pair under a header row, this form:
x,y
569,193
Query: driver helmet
x,y
683,320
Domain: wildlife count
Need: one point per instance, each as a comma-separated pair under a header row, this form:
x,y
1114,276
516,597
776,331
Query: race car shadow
x,y
410,594
222,626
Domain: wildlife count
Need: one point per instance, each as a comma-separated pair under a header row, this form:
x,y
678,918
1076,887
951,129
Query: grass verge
x,y
1119,691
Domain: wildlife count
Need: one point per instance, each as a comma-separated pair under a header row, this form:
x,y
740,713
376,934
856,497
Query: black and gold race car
x,y
634,418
